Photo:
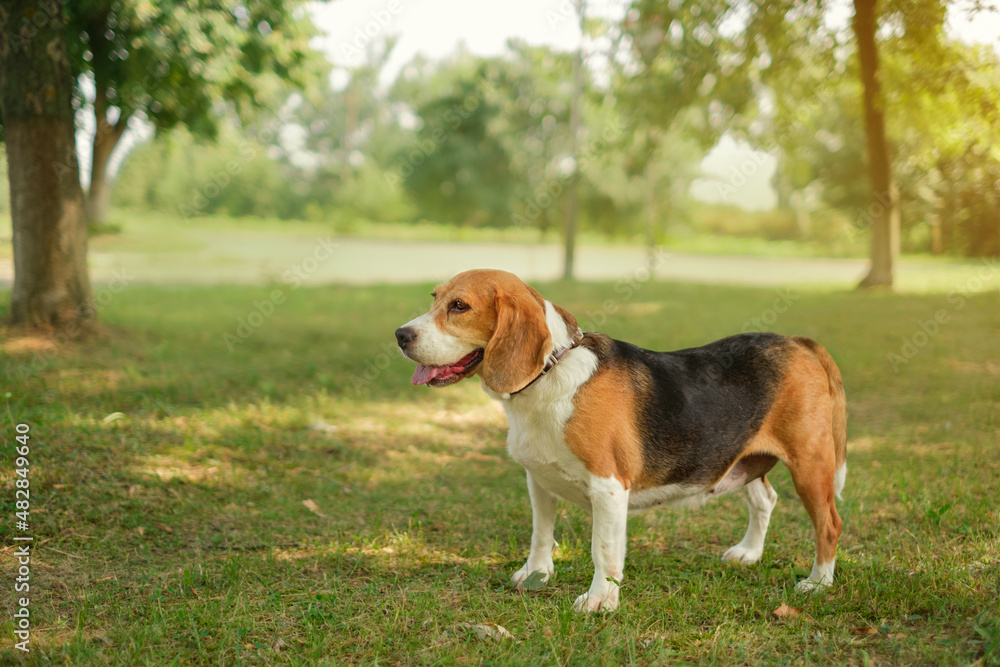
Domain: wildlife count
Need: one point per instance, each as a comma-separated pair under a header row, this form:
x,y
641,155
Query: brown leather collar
x,y
550,363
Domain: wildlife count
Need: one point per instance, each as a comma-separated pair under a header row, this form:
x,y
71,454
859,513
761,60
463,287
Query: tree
x,y
884,208
51,285
516,108
725,56
180,63
939,103
458,170
572,199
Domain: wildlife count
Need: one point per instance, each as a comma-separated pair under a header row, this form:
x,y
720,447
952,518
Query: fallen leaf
x,y
163,526
141,531
897,635
784,611
864,631
60,486
489,632
534,581
279,644
313,507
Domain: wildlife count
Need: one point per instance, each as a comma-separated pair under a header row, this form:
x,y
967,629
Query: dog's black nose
x,y
405,336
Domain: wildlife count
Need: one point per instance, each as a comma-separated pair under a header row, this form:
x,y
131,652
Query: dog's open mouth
x,y
440,376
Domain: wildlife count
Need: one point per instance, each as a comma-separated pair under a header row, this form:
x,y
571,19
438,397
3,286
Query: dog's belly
x,y
671,495
557,480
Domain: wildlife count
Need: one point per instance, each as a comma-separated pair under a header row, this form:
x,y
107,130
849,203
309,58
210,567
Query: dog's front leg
x,y
609,500
543,521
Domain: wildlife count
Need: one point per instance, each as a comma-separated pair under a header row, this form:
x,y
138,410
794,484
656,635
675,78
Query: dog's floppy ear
x,y
516,353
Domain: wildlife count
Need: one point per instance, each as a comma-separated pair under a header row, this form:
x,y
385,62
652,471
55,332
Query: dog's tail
x,y
839,399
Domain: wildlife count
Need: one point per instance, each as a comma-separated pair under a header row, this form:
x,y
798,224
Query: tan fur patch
x,y
602,431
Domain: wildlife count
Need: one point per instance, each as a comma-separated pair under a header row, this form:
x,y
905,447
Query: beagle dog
x,y
617,429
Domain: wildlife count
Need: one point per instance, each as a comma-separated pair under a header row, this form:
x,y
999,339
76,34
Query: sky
x,y
733,171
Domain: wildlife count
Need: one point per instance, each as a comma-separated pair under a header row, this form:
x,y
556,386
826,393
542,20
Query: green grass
x,y
176,533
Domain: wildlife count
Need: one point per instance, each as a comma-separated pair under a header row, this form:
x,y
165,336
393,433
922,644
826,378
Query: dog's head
x,y
487,323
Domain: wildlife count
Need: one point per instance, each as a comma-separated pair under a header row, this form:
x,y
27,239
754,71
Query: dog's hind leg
x,y
761,499
814,482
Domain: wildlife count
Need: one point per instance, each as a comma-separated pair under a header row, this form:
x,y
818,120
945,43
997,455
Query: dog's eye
x,y
459,306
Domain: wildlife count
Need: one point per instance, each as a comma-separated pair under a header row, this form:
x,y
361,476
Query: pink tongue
x,y
424,374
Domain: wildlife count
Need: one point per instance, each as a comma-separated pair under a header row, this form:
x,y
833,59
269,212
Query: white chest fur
x,y
537,417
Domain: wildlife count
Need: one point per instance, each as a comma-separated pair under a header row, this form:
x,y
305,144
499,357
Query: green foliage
x,y
948,164
181,63
456,170
232,175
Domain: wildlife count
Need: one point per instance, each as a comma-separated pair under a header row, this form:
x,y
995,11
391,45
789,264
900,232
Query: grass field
x,y
296,501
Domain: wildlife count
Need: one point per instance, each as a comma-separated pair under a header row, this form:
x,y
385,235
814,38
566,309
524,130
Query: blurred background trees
x,y
245,118
484,141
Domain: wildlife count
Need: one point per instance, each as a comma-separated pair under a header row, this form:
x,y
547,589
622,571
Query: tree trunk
x,y
883,210
106,134
652,218
572,200
106,139
51,285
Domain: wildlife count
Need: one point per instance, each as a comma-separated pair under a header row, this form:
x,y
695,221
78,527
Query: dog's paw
x,y
605,601
811,586
533,576
742,554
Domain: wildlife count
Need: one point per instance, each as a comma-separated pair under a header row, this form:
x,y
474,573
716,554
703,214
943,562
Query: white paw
x,y
533,575
604,601
742,554
811,586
